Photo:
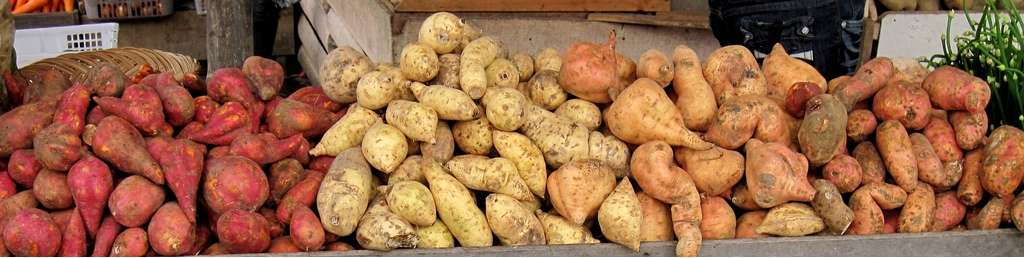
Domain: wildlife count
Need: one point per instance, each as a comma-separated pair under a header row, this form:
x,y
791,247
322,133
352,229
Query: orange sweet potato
x,y
265,148
1017,212
1002,169
905,102
106,80
242,231
118,143
732,71
90,182
134,201
31,232
896,148
652,166
139,105
776,175
57,147
306,231
869,79
783,72
234,182
23,167
845,172
990,216
953,89
283,244
292,117
822,133
743,118
949,211
302,195
589,70
746,225
132,242
871,164
578,188
105,236
231,85
51,189
178,105
170,232
718,220
657,220
867,204
74,241
943,139
643,113
713,171
930,168
20,125
182,162
742,198
970,191
265,76
316,97
970,128
860,124
918,212
72,108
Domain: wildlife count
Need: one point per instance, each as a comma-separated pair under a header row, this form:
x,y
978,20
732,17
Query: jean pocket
x,y
761,32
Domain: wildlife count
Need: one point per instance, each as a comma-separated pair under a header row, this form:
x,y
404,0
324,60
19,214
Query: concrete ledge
x,y
1002,242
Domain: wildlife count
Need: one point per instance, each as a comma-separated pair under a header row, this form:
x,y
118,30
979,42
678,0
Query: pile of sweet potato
x,y
463,143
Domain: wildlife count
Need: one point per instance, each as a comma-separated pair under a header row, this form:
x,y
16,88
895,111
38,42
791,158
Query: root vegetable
x,y
170,231
610,150
385,147
895,146
448,71
10,206
306,231
90,183
528,159
347,132
381,230
378,88
73,241
949,212
719,221
265,148
23,167
970,128
31,232
776,175
828,203
345,192
413,202
303,195
696,100
545,91
474,136
548,59
791,219
408,171
656,66
497,175
1001,171
524,64
292,117
953,89
456,207
234,182
743,118
105,235
419,62
746,225
970,190
867,81
139,105
589,70
226,123
905,102
20,125
581,112
643,113
930,168
713,171
265,76
502,73
52,191
782,72
822,133
860,124
72,108
943,139
473,79
512,222
57,147
918,212
657,220
435,236
442,31
413,119
314,96
867,204
871,164
106,80
134,201
340,72
450,104
283,244
732,71
443,147
561,140
620,217
504,108
117,142
578,188
559,231
242,231
990,216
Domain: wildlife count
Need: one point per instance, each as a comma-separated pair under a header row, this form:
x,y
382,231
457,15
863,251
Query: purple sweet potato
x,y
284,175
57,147
106,80
970,128
231,85
265,148
315,96
118,143
234,182
170,231
20,125
72,108
31,232
74,241
52,191
302,195
91,182
179,107
23,167
265,76
242,231
139,105
7,187
134,201
105,236
292,117
182,163
204,108
306,231
132,242
227,123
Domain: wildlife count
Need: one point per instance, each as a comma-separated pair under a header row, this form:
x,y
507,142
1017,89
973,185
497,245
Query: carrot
x,y
69,6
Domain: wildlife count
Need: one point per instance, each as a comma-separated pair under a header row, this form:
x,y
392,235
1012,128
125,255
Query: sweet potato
x,y
415,120
776,175
265,76
953,89
57,147
949,212
943,139
504,108
347,132
581,112
132,242
419,62
844,172
341,71
10,206
513,223
743,118
231,85
234,182
589,70
51,189
713,171
106,80
782,71
970,128
31,232
91,183
96,114
303,194
869,79
381,230
345,192
796,98
283,244
62,218
528,159
560,231
448,71
620,217
577,188
170,231
118,143
930,168
205,107
216,249
409,170
105,235
656,220
134,201
560,140
182,162
434,236
283,176
7,187
46,85
896,149
719,221
918,212
1016,212
385,147
1001,171
652,165
524,64
791,219
828,203
292,117
497,175
23,167
242,231
376,89
74,240
746,224
905,102
871,164
314,96
450,104
275,226
822,133
456,207
474,136
305,230
444,143
265,148
545,91
501,73
860,124
643,113
140,105
867,204
909,69
413,202
990,216
72,108
688,82
732,71
178,105
20,125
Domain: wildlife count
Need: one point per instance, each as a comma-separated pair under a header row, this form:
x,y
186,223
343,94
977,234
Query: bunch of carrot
x,y
41,6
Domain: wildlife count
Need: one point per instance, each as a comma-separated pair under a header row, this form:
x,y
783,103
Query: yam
x,y
643,113
345,192
620,217
713,171
791,219
732,71
512,222
448,71
242,231
696,100
340,73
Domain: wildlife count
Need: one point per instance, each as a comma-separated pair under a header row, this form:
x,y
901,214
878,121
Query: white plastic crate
x,y
37,44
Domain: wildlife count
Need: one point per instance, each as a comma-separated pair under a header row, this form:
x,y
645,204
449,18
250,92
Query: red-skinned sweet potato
x,y
845,172
860,124
31,232
118,143
15,86
798,95
989,216
292,117
274,226
943,139
905,102
16,203
204,108
105,236
234,182
315,96
970,128
62,218
139,105
265,148
91,182
953,89
7,187
339,247
52,191
132,242
265,76
134,201
231,85
302,195
72,108
74,240
182,163
218,152
227,123
57,147
284,175
242,231
46,85
306,231
178,105
970,191
23,167
930,168
216,249
918,212
868,80
283,244
95,115
170,231
1002,170
949,211
106,80
321,163
202,239
20,125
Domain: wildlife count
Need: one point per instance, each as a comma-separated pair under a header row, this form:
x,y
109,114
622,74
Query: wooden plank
x,y
228,33
180,33
43,20
314,53
534,6
328,26
691,20
369,21
310,65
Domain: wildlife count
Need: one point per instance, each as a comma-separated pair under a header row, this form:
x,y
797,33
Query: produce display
x,y
467,143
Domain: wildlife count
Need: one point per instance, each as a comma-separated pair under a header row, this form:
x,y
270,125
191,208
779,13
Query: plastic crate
x,y
37,44
113,10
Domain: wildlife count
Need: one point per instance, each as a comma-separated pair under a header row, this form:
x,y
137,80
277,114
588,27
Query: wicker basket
x,y
131,60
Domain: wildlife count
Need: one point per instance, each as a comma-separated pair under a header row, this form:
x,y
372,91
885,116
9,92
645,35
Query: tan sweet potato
x,y
918,212
474,136
52,191
544,89
782,71
611,151
118,143
512,222
381,230
743,118
31,232
504,108
860,124
234,182
949,212
559,231
791,219
953,89
867,81
340,72
713,171
90,183
746,224
652,166
643,113
131,242
456,207
581,112
448,71
345,192
657,220
895,146
732,71
776,175
1001,171
385,147
528,159
828,203
696,100
620,217
719,221
170,231
497,175
242,231
844,172
450,104
347,132
970,128
435,236
559,139
444,143
578,188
